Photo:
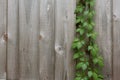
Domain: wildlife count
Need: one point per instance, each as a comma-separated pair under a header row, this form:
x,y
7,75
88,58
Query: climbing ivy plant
x,y
89,62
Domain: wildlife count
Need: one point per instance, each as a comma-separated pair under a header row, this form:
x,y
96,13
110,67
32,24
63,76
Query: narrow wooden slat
x,y
46,40
3,9
60,40
12,46
69,28
116,39
104,28
28,39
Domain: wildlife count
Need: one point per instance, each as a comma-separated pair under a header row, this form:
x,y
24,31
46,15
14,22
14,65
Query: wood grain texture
x,y
69,36
3,9
60,60
12,46
116,39
28,39
103,27
46,42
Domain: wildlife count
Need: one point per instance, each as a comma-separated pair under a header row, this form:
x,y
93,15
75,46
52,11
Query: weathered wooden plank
x,y
60,40
3,9
12,46
69,28
29,39
116,39
104,28
46,40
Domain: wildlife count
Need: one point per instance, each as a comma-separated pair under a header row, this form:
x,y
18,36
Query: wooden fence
x,y
36,38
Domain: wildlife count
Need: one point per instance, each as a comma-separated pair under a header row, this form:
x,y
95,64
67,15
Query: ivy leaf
x,y
90,48
76,56
82,59
78,20
90,73
86,13
76,40
90,27
92,35
95,61
100,77
95,76
100,62
80,44
79,65
84,66
77,78
74,45
85,24
82,53
81,31
78,74
92,3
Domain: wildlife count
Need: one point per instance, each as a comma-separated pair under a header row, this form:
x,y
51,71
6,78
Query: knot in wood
x,y
5,37
59,50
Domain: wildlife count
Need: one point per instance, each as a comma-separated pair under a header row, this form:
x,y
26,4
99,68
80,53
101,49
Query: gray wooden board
x,y
104,29
29,39
12,46
3,41
60,40
116,39
46,42
69,36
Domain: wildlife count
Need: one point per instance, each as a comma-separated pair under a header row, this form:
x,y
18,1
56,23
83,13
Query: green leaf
x,y
90,73
100,62
90,48
77,78
82,59
78,21
78,74
100,77
85,24
80,44
76,56
76,40
86,13
92,3
74,45
95,76
80,30
84,66
79,65
95,61
82,53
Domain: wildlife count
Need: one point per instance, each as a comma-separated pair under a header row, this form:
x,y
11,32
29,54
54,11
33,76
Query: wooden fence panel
x,y
46,43
104,28
116,39
64,35
60,39
36,38
28,39
3,40
12,46
70,6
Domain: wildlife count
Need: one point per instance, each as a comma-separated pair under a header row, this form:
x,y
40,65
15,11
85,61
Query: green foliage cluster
x,y
89,62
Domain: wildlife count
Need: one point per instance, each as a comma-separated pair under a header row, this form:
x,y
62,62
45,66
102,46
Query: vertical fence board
x,y
60,40
12,47
46,40
3,9
116,39
28,39
104,39
69,36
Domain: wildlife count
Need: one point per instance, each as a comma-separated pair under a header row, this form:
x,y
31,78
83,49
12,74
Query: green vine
x,y
89,62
